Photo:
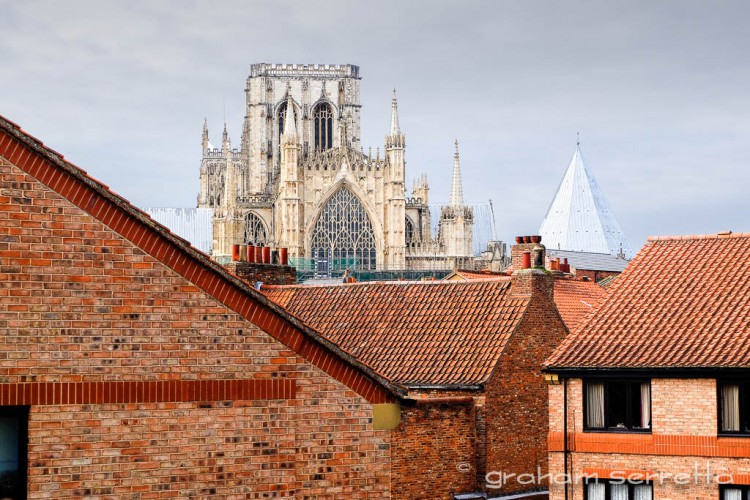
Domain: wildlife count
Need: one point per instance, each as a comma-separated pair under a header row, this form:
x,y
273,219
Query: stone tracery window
x,y
409,232
323,126
343,234
255,230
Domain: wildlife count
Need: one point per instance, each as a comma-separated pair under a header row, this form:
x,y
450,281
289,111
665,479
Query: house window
x,y
618,405
13,440
603,489
734,407
734,492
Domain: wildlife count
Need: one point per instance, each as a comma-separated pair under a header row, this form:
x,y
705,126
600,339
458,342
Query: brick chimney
x,y
530,278
270,273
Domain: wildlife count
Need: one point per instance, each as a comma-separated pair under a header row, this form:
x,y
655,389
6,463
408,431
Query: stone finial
x,y
290,122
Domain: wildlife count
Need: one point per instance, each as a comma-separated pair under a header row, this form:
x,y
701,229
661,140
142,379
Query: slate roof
x,y
590,261
49,167
579,217
683,302
445,333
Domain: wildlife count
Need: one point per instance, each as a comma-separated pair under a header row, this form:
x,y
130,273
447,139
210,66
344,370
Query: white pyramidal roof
x,y
579,218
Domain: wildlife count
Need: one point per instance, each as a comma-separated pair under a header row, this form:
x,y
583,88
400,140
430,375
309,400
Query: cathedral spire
x,y
395,138
395,129
457,194
290,122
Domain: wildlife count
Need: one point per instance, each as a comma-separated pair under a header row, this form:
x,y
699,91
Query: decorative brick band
x,y
652,444
168,391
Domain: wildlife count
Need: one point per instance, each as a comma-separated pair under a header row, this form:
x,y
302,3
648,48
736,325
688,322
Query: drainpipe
x,y
565,434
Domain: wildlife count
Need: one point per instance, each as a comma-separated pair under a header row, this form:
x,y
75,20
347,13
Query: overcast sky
x,y
659,91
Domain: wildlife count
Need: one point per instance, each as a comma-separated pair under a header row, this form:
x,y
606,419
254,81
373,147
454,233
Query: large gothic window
x,y
255,230
323,124
281,115
343,234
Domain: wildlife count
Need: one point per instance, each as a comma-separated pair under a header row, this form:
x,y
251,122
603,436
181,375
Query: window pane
x,y
732,494
618,491
642,492
9,466
617,401
730,408
595,405
595,491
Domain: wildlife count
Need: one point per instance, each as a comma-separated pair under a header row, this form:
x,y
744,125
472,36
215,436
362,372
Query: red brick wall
x,y
433,451
683,441
516,395
81,304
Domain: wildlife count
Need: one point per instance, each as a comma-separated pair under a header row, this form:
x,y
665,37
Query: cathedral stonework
x,y
301,180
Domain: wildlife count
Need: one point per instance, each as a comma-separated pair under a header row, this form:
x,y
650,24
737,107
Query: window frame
x,y
22,414
744,397
607,424
608,487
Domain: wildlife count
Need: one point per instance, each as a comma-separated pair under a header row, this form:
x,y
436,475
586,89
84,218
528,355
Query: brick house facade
x,y
132,366
655,384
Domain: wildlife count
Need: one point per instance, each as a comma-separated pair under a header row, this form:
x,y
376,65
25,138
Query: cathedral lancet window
x,y
323,126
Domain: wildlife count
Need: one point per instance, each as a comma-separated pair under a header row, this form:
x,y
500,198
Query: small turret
x,y
205,136
226,145
457,194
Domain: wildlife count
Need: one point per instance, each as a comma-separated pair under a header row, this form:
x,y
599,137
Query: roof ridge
x,y
722,234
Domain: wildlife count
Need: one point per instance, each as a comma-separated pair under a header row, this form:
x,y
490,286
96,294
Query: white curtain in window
x,y
595,491
646,405
730,408
642,492
618,491
595,405
732,494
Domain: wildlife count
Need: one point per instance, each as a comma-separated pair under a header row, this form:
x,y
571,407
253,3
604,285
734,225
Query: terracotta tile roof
x,y
95,198
683,302
445,333
576,299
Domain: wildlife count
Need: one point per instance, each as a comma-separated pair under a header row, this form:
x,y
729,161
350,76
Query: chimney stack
x,y
530,278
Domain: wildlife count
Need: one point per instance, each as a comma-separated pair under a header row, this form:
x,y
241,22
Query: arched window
x,y
323,125
410,237
343,234
281,115
255,230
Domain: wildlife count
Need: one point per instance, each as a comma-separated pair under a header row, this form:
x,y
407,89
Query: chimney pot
x,y
527,239
526,261
235,252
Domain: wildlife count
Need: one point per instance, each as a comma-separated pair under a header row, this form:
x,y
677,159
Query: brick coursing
x,y
434,451
82,304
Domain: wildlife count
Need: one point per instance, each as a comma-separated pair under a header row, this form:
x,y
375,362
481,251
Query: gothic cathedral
x,y
301,180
